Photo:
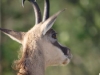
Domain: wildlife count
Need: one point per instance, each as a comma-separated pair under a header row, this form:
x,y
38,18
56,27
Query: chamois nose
x,y
67,52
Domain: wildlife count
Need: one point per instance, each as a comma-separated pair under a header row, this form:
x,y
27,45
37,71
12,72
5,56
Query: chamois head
x,y
39,44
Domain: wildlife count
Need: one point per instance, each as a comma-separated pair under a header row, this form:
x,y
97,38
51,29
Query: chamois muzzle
x,y
65,50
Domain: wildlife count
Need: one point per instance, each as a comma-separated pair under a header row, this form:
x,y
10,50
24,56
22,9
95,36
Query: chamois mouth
x,y
66,61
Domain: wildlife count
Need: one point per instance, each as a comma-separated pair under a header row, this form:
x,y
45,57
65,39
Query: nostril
x,y
70,56
69,53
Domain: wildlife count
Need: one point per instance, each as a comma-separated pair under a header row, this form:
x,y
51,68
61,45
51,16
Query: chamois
x,y
40,47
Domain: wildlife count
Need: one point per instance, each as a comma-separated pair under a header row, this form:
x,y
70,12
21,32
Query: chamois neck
x,y
34,64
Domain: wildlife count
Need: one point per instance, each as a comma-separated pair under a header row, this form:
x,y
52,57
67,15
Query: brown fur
x,y
38,46
32,56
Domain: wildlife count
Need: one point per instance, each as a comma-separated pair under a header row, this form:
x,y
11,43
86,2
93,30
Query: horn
x,y
46,10
37,11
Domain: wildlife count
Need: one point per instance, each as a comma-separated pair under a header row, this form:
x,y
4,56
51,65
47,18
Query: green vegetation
x,y
78,28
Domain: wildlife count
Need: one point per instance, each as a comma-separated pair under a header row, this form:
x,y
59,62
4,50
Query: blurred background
x,y
78,28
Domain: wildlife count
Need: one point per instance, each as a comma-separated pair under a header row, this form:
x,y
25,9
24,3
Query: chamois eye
x,y
54,35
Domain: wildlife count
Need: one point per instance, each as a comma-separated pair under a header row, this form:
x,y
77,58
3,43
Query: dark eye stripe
x,y
64,49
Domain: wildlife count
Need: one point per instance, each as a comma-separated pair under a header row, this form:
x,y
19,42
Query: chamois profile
x,y
40,47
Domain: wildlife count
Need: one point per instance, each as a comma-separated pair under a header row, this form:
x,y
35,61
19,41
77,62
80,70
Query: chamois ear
x,y
17,36
49,22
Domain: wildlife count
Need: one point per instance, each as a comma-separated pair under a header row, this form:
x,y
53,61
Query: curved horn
x,y
46,10
37,11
